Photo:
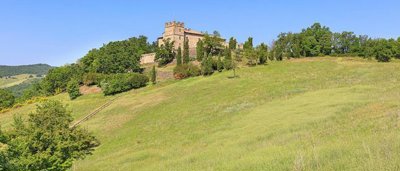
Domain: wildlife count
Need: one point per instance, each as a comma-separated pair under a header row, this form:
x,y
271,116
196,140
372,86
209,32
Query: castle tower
x,y
175,31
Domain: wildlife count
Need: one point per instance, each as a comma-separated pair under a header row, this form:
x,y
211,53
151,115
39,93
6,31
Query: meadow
x,y
302,114
14,80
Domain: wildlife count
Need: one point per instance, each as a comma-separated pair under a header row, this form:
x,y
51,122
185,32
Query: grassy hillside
x,y
15,80
37,69
305,114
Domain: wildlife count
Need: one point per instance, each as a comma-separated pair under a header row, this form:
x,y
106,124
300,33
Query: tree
x,y
153,75
262,53
186,58
179,57
47,142
212,45
382,52
251,56
117,57
232,43
248,44
73,89
207,66
220,64
199,50
7,99
227,58
165,53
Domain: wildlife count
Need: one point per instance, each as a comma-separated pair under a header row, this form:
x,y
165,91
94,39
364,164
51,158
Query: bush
x,y
45,141
220,65
118,83
92,78
7,99
227,64
207,66
73,89
186,70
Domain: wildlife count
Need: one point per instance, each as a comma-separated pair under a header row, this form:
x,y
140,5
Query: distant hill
x,y
38,69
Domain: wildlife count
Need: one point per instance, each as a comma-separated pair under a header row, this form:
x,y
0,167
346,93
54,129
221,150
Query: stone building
x,y
176,31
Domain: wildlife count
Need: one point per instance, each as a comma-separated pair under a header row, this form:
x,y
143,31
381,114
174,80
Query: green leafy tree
x,y
382,52
179,57
212,45
207,66
117,57
73,89
153,75
248,44
262,53
186,58
199,50
46,142
232,43
7,99
251,56
165,53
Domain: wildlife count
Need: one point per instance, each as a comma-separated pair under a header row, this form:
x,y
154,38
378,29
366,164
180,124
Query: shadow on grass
x,y
232,77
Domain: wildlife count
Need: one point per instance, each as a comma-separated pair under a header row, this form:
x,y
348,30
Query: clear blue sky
x,y
61,31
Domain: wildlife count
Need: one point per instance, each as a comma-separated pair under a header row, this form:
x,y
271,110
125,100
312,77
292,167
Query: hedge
x,y
117,83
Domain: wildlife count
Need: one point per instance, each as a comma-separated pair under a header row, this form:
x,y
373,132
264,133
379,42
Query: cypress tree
x,y
153,75
179,57
186,51
232,43
200,50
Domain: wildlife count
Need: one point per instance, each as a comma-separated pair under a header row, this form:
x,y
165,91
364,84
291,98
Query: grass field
x,y
14,80
304,114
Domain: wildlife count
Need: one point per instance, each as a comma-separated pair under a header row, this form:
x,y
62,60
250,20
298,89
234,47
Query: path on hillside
x,y
102,107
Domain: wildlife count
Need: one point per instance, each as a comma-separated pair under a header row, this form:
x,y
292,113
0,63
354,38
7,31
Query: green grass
x,y
306,114
14,80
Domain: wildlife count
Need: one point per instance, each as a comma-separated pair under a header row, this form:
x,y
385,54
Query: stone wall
x,y
148,58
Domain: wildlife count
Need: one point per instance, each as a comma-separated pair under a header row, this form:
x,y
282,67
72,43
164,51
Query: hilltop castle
x,y
176,31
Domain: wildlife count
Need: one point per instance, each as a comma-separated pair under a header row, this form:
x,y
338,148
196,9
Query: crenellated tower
x,y
175,31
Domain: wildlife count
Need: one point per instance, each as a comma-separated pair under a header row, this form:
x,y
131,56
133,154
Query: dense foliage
x,y
165,54
186,57
19,89
212,45
73,89
153,75
318,40
117,57
56,80
38,69
199,50
46,142
186,70
179,56
118,83
7,99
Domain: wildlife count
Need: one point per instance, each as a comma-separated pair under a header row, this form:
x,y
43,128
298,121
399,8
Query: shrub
x,y
7,99
227,64
118,83
220,65
186,70
207,66
92,78
73,89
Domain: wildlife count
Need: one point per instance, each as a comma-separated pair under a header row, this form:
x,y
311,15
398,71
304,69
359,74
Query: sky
x,y
60,32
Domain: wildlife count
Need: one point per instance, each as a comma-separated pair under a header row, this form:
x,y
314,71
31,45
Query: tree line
x,y
318,40
119,59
